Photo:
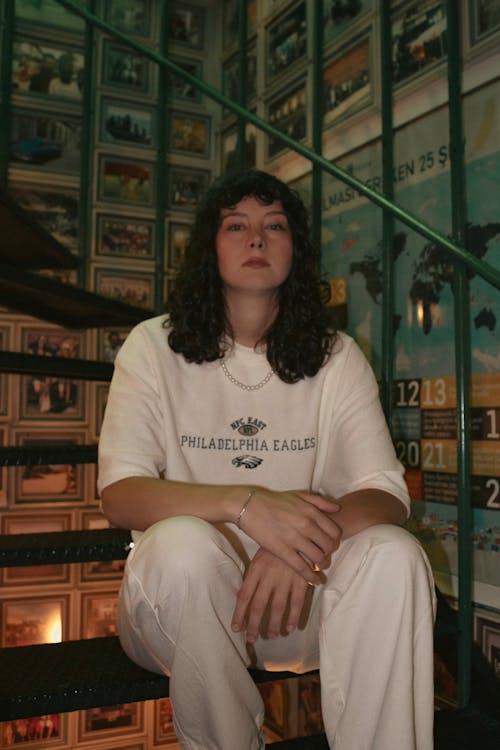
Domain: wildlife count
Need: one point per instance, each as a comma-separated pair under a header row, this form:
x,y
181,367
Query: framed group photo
x,y
47,70
131,287
130,16
49,730
124,237
189,134
186,187
187,25
347,81
128,180
126,124
125,69
286,41
53,483
49,141
288,114
418,38
56,210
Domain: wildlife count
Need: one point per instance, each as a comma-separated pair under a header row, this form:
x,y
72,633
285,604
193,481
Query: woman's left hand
x,y
270,599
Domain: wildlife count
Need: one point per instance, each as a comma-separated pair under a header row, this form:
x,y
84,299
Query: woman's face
x,y
254,247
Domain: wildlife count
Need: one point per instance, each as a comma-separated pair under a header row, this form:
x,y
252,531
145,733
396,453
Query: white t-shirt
x,y
166,417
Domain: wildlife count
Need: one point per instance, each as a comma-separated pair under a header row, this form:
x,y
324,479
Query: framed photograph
x,y
168,283
3,470
123,180
487,635
179,87
109,342
111,721
187,25
5,339
39,731
130,16
418,38
41,619
56,210
51,70
101,391
484,18
123,237
132,287
340,17
99,613
53,483
288,114
99,570
178,238
47,396
124,124
274,695
346,82
286,41
186,187
230,21
125,69
49,13
189,134
229,140
51,142
35,523
230,78
164,723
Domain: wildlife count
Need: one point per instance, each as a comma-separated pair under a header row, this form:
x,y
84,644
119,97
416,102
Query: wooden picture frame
x,y
33,620
125,69
179,233
189,134
287,112
120,236
49,70
53,398
286,41
186,186
54,483
416,50
187,25
99,570
229,140
132,18
101,392
50,13
35,523
126,124
487,635
164,732
5,345
178,87
109,342
55,209
99,614
135,288
50,730
123,180
111,721
49,141
230,78
347,84
484,20
339,18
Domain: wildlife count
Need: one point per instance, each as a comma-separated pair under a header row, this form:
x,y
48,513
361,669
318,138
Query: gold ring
x,y
316,568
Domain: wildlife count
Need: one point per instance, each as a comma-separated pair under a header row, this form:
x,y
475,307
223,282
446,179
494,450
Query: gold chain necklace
x,y
244,386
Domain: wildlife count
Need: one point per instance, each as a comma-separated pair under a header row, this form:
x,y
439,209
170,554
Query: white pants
x,y
369,628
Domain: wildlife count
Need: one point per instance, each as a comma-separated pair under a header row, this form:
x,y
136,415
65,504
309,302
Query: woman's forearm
x,y
369,507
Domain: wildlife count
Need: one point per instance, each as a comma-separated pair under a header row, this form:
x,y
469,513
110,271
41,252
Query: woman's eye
x,y
277,226
234,227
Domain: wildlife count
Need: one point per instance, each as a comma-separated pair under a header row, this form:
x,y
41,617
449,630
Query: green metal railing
x,y
463,260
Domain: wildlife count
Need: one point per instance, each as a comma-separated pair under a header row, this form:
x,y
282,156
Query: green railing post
x,y
242,81
462,357
317,120
6,90
161,161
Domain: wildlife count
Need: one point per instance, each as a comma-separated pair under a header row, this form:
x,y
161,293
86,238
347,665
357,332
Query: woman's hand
x,y
294,526
270,599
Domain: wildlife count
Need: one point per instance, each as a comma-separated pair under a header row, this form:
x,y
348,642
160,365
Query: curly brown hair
x,y
299,340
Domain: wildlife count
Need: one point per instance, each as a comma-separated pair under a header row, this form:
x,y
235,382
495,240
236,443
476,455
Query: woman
x,y
245,444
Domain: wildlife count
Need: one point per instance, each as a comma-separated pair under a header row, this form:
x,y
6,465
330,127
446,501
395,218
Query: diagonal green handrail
x,y
477,265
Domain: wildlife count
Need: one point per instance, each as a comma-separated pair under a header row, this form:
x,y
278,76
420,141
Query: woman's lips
x,y
256,263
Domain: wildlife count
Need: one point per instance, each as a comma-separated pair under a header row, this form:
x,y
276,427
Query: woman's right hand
x,y
294,526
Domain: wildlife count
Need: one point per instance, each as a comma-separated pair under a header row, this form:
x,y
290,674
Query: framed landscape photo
x,y
111,721
178,238
123,237
347,81
34,620
125,124
35,523
130,16
126,180
287,113
125,69
418,38
164,733
55,209
132,287
50,397
49,483
186,187
189,134
286,41
484,19
187,25
47,70
49,142
179,87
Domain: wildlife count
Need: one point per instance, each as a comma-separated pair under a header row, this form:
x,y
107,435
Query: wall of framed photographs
x,y
131,237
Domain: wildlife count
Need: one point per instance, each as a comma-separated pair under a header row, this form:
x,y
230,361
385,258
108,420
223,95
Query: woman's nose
x,y
256,241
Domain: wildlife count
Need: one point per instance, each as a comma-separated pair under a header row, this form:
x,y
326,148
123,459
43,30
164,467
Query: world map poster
x,y
424,417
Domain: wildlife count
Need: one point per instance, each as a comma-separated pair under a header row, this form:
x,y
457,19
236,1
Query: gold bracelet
x,y
245,505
